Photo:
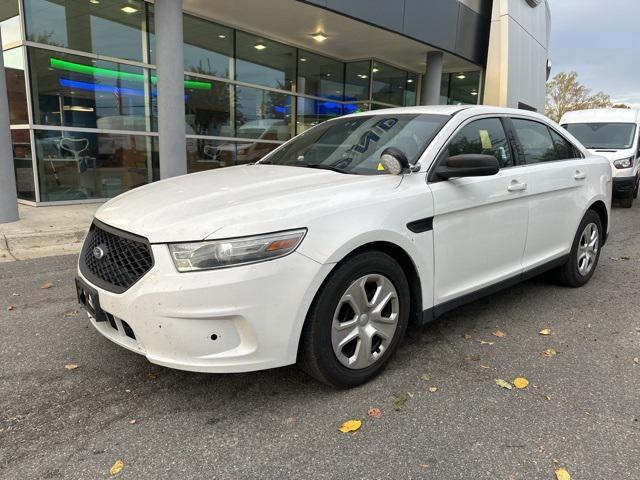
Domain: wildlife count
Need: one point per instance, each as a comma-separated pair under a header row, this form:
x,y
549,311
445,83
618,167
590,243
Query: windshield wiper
x,y
322,166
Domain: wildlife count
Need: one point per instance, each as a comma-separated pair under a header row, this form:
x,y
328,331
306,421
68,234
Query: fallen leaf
x,y
15,294
562,474
521,383
484,366
71,366
399,401
10,308
545,331
636,360
624,257
152,376
424,465
503,383
133,422
549,352
547,397
482,342
467,336
473,358
46,285
424,377
499,334
350,426
433,389
70,313
374,412
116,468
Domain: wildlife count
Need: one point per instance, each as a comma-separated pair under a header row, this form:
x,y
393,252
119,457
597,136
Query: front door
x,y
480,223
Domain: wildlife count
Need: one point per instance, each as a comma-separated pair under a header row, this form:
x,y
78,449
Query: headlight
x,y
208,255
623,163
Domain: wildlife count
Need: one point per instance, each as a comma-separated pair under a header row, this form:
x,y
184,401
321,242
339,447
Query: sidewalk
x,y
45,231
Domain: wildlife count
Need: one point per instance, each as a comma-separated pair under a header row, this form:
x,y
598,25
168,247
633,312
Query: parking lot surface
x,y
581,410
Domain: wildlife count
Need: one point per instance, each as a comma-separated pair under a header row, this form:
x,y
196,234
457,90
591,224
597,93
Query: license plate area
x,y
88,297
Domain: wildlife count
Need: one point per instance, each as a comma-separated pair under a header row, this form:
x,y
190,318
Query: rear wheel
x,y
357,321
585,252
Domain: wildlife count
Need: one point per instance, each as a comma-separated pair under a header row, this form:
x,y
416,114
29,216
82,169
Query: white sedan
x,y
324,251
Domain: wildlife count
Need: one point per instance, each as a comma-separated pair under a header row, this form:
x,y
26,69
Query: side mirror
x,y
394,161
468,165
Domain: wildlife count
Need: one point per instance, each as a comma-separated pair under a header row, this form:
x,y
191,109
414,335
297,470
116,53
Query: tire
x,y
627,202
571,274
366,280
635,191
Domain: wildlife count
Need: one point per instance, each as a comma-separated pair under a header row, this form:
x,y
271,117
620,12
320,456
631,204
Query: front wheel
x,y
357,321
585,252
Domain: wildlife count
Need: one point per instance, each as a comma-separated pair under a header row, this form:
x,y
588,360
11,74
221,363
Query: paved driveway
x,y
581,409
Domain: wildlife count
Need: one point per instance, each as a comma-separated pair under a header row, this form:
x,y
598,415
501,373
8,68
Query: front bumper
x,y
229,320
623,187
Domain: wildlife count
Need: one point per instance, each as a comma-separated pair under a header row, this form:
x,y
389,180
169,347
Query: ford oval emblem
x,y
99,252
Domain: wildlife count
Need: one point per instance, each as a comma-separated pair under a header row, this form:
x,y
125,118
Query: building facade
x,y
107,95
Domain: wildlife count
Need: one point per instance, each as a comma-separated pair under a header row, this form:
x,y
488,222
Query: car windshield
x,y
354,144
614,136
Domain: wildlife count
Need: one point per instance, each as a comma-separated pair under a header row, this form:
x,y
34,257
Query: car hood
x,y
236,201
611,154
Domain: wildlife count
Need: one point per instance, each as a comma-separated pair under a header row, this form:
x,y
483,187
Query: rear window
x,y
610,136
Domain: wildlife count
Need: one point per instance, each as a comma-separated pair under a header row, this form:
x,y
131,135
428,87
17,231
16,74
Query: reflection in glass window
x,y
76,91
486,137
23,164
264,62
311,112
208,47
207,154
320,76
357,80
16,86
9,22
106,27
411,89
388,84
460,88
208,107
262,114
536,141
81,165
251,152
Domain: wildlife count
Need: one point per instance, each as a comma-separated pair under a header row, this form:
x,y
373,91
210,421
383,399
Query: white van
x,y
611,133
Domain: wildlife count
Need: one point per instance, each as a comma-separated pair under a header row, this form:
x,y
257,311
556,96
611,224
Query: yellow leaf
x,y
503,384
374,413
562,474
116,468
46,285
499,334
433,389
549,352
71,366
350,426
521,383
545,331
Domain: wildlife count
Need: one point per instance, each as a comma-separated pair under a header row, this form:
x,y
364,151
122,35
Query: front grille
x,y
113,259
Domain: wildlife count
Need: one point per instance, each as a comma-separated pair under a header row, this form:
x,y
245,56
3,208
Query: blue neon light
x,y
64,82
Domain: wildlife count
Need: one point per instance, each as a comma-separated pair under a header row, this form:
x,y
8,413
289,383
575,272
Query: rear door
x,y
558,184
480,223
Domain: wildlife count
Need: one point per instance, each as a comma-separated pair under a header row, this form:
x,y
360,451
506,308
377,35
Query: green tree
x,y
566,94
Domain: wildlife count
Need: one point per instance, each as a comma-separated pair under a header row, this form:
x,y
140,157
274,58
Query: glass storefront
x,y
461,88
84,165
93,111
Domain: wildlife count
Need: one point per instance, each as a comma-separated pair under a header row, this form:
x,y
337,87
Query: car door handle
x,y
517,187
579,175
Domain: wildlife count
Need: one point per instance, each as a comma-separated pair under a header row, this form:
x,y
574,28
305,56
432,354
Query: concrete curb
x,y
44,244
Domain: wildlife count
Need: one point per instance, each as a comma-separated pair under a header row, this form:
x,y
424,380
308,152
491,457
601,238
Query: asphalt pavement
x,y
581,410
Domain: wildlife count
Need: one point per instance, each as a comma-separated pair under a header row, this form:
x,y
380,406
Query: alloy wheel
x,y
588,249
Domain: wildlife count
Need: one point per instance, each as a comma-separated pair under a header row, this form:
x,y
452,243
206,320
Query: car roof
x,y
468,110
624,115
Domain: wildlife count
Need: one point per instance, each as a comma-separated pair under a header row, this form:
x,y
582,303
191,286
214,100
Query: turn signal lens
x,y
210,255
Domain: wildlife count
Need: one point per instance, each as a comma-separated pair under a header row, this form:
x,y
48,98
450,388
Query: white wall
x,y
518,53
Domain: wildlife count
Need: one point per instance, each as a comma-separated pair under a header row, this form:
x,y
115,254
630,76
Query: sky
x,y
601,41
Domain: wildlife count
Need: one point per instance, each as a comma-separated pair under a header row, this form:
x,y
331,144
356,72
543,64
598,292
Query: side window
x,y
486,137
564,150
535,139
